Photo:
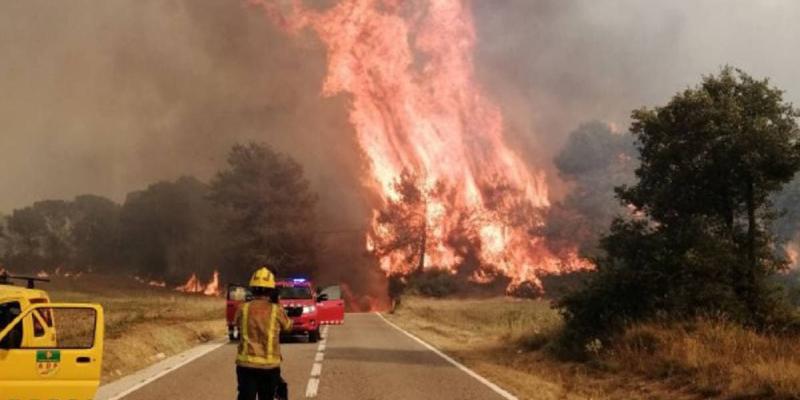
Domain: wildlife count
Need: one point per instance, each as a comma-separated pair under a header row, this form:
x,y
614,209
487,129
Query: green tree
x,y
41,236
96,232
5,240
268,210
594,160
787,203
709,161
170,230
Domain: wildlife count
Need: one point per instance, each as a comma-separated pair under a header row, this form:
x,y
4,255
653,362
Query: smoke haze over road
x,y
106,97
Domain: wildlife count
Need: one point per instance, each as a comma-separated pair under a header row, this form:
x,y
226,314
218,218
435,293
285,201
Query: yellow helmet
x,y
263,278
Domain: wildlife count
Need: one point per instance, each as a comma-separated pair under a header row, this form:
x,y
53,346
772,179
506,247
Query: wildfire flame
x,y
194,285
793,253
415,105
212,289
363,303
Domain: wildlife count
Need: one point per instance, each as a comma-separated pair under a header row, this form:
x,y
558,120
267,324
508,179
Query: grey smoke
x,y
106,97
553,64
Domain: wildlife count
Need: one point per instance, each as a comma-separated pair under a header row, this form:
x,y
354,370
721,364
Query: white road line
x,y
170,365
497,389
316,370
312,388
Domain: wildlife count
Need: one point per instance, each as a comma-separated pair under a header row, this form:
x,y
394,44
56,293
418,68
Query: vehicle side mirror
x,y
322,297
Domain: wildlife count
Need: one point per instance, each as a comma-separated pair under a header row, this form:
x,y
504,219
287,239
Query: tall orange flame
x,y
212,289
408,68
194,285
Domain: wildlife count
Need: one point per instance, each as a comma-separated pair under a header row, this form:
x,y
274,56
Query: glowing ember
x,y
793,253
160,284
408,69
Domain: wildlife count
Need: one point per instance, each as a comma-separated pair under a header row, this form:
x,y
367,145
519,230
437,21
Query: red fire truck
x,y
308,307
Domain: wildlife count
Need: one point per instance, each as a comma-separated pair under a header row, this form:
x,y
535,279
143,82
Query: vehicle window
x,y
333,292
47,316
75,329
38,329
238,293
44,314
294,292
9,311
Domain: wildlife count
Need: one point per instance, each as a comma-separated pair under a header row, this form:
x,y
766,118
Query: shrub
x,y
434,283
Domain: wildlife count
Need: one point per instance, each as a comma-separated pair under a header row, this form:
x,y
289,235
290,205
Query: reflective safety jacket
x,y
260,323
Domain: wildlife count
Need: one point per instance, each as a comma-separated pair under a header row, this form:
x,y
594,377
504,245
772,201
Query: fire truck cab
x,y
47,350
307,306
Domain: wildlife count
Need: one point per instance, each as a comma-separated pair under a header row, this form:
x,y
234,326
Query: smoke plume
x,y
108,97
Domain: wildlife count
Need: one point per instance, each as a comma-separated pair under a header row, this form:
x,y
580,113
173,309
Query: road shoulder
x,y
129,384
494,387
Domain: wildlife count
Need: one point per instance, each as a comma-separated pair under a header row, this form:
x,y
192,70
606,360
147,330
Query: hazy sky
x,y
108,96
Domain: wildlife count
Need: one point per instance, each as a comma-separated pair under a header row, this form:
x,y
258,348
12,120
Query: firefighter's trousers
x,y
254,382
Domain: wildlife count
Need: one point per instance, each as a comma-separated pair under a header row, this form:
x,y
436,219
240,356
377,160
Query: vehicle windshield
x,y
238,293
295,292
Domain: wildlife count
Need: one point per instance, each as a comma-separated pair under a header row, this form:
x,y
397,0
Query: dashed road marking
x,y
312,388
316,369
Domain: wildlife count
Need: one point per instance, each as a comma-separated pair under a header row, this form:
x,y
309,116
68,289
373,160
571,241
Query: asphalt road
x,y
363,359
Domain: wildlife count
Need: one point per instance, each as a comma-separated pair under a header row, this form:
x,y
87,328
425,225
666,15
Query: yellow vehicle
x,y
47,350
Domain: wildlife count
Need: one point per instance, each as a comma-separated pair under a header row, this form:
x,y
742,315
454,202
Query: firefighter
x,y
260,322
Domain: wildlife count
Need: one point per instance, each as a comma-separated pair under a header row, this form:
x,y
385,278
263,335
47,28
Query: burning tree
x,y
415,106
402,229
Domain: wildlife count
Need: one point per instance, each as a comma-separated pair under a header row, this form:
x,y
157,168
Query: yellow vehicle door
x,y
66,366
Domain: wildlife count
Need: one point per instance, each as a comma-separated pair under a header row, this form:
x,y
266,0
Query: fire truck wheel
x,y
313,336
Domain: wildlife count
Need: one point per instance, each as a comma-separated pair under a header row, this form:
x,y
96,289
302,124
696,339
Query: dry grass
x,y
502,339
143,324
508,341
713,358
